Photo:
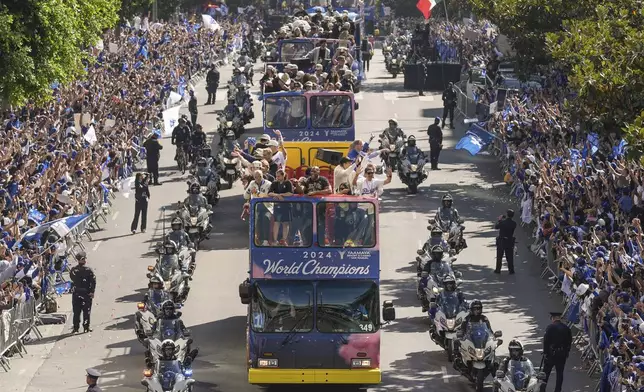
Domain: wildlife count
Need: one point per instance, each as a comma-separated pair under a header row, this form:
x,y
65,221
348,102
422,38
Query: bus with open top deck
x,y
313,292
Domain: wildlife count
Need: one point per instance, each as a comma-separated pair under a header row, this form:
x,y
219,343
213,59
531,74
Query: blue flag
x,y
36,216
475,139
620,149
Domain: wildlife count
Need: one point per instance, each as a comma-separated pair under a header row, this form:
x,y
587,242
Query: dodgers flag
x,y
61,226
475,139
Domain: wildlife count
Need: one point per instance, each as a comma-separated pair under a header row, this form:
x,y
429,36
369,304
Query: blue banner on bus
x,y
312,263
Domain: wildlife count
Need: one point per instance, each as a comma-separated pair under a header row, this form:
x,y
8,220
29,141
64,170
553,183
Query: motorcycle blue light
x,y
187,372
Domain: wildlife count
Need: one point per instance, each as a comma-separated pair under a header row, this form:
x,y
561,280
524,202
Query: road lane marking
x,y
395,115
413,214
115,215
445,375
95,248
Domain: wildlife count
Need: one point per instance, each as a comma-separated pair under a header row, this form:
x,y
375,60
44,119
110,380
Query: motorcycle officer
x,y
239,79
436,238
180,136
410,151
449,286
476,316
448,214
436,256
243,60
168,353
179,236
392,132
155,295
515,351
168,312
231,110
195,198
198,138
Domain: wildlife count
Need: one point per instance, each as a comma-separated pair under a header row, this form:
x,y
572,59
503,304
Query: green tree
x,y
527,22
605,58
129,8
42,41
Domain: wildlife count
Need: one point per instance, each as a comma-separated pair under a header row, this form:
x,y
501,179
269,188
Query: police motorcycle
x,y
450,222
150,309
208,179
516,373
244,101
170,374
168,327
179,237
245,65
397,64
395,148
478,353
411,167
172,269
448,312
432,268
230,119
195,213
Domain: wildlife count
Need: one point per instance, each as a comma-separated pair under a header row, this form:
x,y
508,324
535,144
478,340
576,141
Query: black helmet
x,y
170,247
447,201
437,253
168,348
155,280
411,141
449,283
176,224
195,188
515,349
436,232
476,308
202,162
393,121
168,307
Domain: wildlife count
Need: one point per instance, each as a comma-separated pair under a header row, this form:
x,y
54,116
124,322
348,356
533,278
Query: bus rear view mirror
x,y
388,311
245,292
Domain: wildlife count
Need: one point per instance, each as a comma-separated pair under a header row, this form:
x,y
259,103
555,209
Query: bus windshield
x,y
280,224
345,224
284,306
347,307
331,111
285,112
295,50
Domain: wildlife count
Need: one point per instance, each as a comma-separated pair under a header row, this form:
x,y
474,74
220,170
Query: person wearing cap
x,y
92,379
320,55
192,108
83,288
435,142
449,103
505,241
557,342
343,173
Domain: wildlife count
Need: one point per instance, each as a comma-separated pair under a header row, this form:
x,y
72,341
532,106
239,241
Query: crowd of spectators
x,y
61,159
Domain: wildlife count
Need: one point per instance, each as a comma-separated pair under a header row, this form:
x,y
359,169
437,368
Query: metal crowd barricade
x,y
468,107
14,325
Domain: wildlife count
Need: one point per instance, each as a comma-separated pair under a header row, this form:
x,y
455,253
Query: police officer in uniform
x,y
212,84
505,241
449,103
557,342
192,108
83,286
92,379
435,142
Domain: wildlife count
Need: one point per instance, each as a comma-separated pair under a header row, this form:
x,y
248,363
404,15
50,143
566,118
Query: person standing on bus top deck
x,y
367,185
342,174
359,148
316,185
282,213
319,55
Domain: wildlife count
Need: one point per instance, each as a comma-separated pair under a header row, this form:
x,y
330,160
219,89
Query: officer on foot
x,y
449,103
435,142
505,241
557,343
83,287
92,379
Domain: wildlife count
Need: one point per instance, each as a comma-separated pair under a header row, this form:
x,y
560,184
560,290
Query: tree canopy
x,y
42,41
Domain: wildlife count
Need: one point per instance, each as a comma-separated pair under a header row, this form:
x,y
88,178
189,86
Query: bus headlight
x,y
360,363
267,363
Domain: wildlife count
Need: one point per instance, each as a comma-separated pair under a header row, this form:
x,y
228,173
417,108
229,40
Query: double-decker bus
x,y
313,293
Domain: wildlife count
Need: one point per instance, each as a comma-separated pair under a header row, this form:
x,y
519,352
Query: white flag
x,y
90,136
210,23
126,186
173,99
170,120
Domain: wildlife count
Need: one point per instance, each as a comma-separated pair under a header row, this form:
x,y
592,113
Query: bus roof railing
x,y
364,198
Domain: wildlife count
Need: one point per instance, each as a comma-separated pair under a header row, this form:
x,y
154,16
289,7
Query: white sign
x,y
311,267
90,136
170,120
493,106
113,48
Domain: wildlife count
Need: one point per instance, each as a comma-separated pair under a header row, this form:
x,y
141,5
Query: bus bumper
x,y
317,376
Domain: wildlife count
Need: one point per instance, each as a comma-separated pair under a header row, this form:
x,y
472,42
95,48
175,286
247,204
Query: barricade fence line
x,y
23,318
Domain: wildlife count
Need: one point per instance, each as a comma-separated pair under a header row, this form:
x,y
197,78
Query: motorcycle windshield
x,y
413,158
519,373
167,330
156,299
202,171
168,376
441,270
167,265
450,304
193,210
479,335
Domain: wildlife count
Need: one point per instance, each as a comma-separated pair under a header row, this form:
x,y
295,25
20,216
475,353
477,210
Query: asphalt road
x,y
517,305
